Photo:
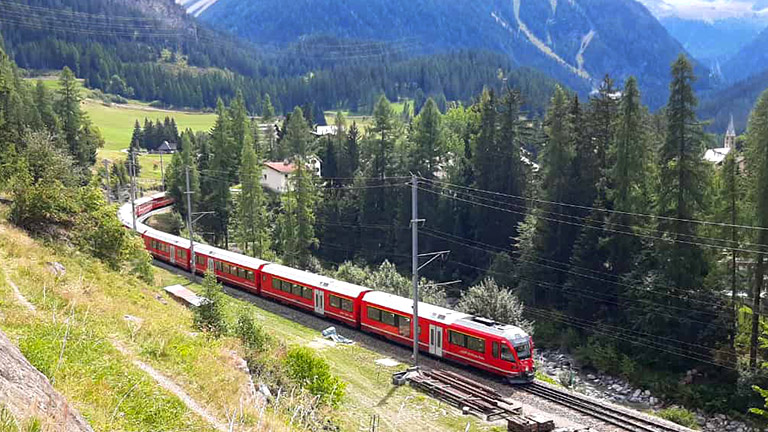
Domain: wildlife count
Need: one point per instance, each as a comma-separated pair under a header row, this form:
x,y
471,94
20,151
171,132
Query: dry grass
x,y
78,314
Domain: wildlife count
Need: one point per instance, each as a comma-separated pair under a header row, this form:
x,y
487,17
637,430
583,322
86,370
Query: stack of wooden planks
x,y
476,398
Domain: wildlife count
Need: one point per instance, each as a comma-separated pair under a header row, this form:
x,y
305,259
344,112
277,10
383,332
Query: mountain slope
x,y
575,40
737,100
750,60
714,41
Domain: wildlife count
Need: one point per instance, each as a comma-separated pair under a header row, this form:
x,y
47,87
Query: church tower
x,y
730,136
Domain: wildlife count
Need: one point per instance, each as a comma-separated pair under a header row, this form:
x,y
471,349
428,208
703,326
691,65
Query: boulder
x,y
27,393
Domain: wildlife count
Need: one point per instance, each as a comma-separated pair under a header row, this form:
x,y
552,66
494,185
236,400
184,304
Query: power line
x,y
720,224
669,240
586,219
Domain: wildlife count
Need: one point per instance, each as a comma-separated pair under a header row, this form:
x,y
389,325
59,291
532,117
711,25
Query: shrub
x,y
251,334
681,416
209,316
313,373
491,300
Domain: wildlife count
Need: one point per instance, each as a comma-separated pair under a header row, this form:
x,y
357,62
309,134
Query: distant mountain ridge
x,y
575,41
750,60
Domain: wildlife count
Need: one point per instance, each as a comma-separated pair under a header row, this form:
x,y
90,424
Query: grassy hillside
x,y
91,327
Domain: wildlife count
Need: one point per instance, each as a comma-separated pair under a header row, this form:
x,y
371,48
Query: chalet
x,y
275,175
167,148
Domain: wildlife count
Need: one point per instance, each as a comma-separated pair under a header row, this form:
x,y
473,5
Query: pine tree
x,y
552,239
353,149
240,129
176,177
683,180
252,215
43,103
136,138
267,110
81,138
757,166
427,141
217,180
300,201
628,177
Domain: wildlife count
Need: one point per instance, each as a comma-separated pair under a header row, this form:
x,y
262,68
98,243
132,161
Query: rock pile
x,y
563,369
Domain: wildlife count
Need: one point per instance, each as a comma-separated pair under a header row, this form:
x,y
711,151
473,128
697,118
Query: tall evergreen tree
x,y
267,110
252,209
628,177
136,138
300,201
683,176
81,138
427,142
217,181
552,239
176,177
757,164
353,149
43,102
240,129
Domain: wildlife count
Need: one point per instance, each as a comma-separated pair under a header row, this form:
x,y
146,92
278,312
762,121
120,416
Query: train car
x,y
230,267
319,294
166,247
457,336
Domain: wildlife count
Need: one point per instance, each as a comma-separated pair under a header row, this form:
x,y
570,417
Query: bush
x,y
681,416
209,316
313,373
251,334
489,299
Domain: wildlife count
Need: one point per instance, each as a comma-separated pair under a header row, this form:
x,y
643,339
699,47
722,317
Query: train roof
x,y
315,280
164,236
232,257
405,305
486,325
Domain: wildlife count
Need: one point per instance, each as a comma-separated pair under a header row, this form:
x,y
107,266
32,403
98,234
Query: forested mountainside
x,y
737,100
152,50
750,60
572,41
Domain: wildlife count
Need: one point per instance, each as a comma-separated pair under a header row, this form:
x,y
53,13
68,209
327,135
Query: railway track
x,y
621,418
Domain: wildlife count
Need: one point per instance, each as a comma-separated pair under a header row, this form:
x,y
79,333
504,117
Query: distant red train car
x,y
501,349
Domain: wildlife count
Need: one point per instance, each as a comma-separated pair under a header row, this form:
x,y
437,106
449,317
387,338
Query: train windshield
x,y
523,348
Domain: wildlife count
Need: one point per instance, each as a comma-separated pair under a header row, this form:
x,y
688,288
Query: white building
x,y
718,155
275,175
325,130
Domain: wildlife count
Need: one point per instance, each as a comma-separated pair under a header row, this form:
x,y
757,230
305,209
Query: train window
x,y
249,275
347,305
334,301
476,344
495,350
296,290
404,326
506,354
374,314
218,266
277,284
306,292
523,350
240,273
457,338
199,259
388,318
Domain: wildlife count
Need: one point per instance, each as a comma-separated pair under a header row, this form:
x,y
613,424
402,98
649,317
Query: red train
x,y
501,349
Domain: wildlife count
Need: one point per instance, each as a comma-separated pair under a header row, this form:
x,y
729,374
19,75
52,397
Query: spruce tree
x,y
80,137
252,215
628,177
176,177
217,180
683,179
300,201
240,129
43,103
267,110
427,141
757,166
136,138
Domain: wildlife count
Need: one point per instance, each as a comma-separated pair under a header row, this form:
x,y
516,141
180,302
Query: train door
x,y
319,302
435,340
173,255
210,265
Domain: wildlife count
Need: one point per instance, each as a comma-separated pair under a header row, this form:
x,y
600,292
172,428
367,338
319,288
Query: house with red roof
x,y
276,175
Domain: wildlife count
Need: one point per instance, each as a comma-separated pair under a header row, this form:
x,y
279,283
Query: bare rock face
x,y
27,393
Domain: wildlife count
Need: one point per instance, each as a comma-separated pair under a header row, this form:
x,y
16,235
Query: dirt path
x,y
19,296
171,386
